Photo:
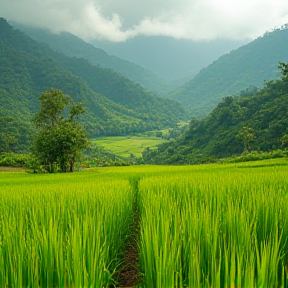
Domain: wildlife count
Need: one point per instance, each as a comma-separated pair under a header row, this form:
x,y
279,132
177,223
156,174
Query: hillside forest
x,y
234,106
115,105
254,120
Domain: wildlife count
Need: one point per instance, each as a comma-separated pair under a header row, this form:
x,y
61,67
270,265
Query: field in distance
x,y
125,146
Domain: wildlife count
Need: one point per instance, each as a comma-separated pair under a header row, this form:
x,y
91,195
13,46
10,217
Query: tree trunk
x,y
71,166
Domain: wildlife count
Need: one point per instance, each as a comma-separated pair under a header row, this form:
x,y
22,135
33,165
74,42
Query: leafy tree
x,y
246,136
59,140
284,70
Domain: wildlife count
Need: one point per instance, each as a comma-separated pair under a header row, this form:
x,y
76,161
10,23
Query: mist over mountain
x,y
73,46
168,57
115,105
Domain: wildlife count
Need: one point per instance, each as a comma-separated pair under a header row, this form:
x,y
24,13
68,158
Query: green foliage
x,y
97,156
248,66
256,155
114,104
73,46
201,226
52,105
284,70
246,136
284,141
14,160
59,141
15,134
61,230
214,226
257,122
8,134
140,103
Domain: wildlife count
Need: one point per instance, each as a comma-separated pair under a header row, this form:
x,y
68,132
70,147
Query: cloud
x,y
119,20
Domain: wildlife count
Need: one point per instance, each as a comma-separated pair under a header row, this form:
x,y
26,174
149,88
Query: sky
x,y
119,20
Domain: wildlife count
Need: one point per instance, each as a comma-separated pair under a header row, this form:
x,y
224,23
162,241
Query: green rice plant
x,y
59,231
200,226
160,250
215,228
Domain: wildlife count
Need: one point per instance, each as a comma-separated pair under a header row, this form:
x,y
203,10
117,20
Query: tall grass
x,y
200,226
222,228
59,231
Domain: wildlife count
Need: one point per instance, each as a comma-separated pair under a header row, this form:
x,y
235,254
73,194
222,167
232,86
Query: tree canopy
x,y
59,140
256,119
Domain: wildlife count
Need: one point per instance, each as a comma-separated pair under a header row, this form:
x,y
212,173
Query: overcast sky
x,y
119,20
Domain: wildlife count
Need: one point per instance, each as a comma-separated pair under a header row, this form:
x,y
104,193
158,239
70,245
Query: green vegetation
x,y
15,135
214,227
217,225
114,104
248,66
255,121
59,141
128,145
14,160
60,231
73,46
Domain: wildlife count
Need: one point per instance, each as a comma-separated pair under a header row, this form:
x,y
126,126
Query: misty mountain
x,y
168,57
223,133
115,105
73,46
249,65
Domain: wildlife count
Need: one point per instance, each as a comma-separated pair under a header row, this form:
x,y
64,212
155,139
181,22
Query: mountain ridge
x,y
249,65
255,120
74,46
28,68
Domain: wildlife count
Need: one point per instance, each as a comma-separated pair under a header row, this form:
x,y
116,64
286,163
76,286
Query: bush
x,y
256,155
13,160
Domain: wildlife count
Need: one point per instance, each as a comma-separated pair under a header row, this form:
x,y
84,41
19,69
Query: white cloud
x,y
118,20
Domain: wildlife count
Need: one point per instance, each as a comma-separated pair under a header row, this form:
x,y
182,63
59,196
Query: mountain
x,y
249,65
73,46
254,120
115,105
168,57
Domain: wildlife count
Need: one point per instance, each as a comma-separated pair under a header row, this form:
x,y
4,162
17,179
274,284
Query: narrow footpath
x,y
129,275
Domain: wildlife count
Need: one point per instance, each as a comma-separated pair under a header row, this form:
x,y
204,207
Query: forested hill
x,y
249,65
28,68
253,120
73,46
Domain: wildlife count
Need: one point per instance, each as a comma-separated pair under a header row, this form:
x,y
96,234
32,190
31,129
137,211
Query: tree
x,y
284,70
246,136
59,141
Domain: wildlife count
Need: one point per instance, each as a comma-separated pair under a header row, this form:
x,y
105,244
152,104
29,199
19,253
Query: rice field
x,y
124,146
200,226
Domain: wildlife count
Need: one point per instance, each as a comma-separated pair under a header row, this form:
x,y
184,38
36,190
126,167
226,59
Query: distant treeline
x,y
253,120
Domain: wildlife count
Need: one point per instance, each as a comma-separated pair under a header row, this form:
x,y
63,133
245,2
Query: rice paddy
x,y
125,146
199,226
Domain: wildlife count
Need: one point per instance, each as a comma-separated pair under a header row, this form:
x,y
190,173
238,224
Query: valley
x,y
128,146
200,199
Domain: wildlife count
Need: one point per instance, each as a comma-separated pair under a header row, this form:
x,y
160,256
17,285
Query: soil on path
x,y
129,275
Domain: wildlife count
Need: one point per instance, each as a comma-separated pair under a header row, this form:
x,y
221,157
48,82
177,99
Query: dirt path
x,y
129,275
